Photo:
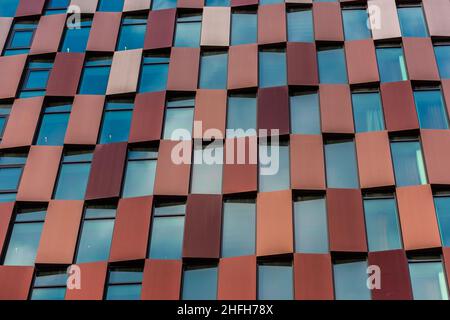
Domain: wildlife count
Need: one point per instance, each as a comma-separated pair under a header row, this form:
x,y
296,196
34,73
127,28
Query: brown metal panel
x,y
183,69
211,110
86,6
243,66
327,22
172,178
302,64
445,84
398,106
30,8
162,280
374,159
39,174
313,277
272,23
124,75
237,278
6,212
5,25
48,34
131,229
238,3
419,55
394,274
22,123
197,4
160,29
346,227
202,230
336,108
16,282
136,5
273,109
418,218
384,19
361,61
148,116
216,26
104,31
85,118
436,150
274,224
436,12
60,232
12,68
65,75
307,162
92,282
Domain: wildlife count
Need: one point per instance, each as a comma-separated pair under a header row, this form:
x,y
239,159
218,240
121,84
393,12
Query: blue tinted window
x,y
271,177
275,282
430,109
443,60
367,112
355,24
20,38
54,124
383,230
5,110
140,174
442,205
124,284
332,67
428,280
272,68
341,167
305,113
163,4
73,176
213,70
238,228
132,33
311,232
116,121
408,162
217,3
300,26
179,115
391,64
270,1
49,285
56,6
207,175
154,74
188,29
199,284
35,78
110,5
412,22
11,167
241,114
75,40
244,27
8,8
350,281
95,76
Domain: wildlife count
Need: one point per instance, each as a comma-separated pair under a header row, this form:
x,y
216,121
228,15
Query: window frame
x,y
8,44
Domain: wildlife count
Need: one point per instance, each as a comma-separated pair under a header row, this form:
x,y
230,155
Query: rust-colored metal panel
x,y
243,66
274,224
92,282
22,123
272,23
361,61
336,108
237,278
346,227
108,163
216,23
327,22
104,31
436,12
313,277
131,229
6,212
202,230
48,34
12,68
394,275
162,280
238,3
419,55
136,5
160,29
211,110
30,8
183,69
273,109
196,4
374,159
5,25
124,75
240,176
172,178
398,106
436,150
302,64
307,162
384,19
60,232
446,254
39,174
445,84
418,218
65,75
86,6
148,116
16,282
85,118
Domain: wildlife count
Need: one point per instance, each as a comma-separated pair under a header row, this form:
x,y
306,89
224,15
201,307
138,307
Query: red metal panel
x,y
160,29
16,282
48,34
272,23
446,92
131,229
30,8
273,109
86,6
361,61
243,66
162,280
93,276
302,64
336,108
6,212
197,4
237,278
436,12
5,25
327,22
238,3
136,5
436,149
65,75
419,55
183,69
446,254
211,110
12,68
104,31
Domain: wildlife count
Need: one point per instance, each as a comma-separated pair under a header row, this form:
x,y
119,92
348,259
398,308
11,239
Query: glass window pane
x,y
207,175
178,118
53,129
341,167
430,109
271,176
75,40
37,79
110,5
200,284
94,80
23,244
355,24
217,3
332,66
391,64
213,70
139,178
167,238
412,22
116,126
408,162
428,281
131,37
350,281
442,205
272,68
21,39
383,230
305,114
188,34
72,181
124,292
163,4
95,240
241,114
367,112
300,26
48,294
9,178
275,282
8,8
244,28
153,77
443,60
